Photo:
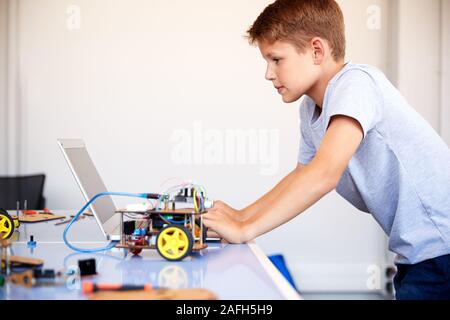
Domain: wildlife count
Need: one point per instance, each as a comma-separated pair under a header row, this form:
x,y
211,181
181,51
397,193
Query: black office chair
x,y
21,188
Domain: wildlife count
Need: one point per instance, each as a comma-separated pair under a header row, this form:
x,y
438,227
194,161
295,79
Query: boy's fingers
x,y
221,205
208,216
212,234
214,212
206,223
210,224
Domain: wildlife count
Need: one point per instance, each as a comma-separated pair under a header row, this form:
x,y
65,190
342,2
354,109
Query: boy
x,y
358,136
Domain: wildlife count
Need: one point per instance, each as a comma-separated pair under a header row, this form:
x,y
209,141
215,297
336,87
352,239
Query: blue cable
x,y
173,221
113,243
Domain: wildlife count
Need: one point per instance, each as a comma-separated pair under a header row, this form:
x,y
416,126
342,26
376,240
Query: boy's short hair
x,y
298,21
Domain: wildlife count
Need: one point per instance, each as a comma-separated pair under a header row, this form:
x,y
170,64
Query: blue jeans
x,y
426,280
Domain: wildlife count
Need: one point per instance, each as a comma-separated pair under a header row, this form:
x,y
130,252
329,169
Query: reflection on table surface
x,y
230,271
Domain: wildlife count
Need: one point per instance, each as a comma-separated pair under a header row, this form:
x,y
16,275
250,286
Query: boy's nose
x,y
270,75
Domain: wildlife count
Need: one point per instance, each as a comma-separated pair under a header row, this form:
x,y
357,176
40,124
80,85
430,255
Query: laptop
x,y
90,183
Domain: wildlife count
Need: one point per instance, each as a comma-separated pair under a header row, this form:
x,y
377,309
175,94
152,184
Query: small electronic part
x,y
208,204
31,243
136,244
139,207
128,227
44,273
141,232
87,267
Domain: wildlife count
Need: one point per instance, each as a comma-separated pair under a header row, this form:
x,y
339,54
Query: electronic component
x,y
128,227
31,243
44,273
87,267
139,207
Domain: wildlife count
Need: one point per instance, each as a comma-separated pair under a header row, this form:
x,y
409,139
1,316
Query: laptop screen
x,y
87,177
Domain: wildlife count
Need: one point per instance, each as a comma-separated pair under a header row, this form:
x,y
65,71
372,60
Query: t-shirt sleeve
x,y
307,151
355,95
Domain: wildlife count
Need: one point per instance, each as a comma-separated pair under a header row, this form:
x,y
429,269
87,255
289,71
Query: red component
x,y
29,212
138,242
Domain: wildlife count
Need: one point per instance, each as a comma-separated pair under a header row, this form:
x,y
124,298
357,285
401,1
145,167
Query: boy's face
x,y
292,73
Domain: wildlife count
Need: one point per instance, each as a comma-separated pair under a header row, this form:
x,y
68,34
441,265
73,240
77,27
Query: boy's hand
x,y
225,208
219,221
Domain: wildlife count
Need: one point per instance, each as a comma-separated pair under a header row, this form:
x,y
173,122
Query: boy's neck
x,y
317,91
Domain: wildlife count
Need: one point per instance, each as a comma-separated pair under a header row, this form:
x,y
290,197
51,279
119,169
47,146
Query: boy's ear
x,y
318,50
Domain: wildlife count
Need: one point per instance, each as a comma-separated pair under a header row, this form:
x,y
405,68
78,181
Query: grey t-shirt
x,y
401,171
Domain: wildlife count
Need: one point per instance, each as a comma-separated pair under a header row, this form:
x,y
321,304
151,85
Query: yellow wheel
x,y
6,224
174,242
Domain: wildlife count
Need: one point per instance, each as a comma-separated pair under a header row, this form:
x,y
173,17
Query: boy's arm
x,y
251,210
304,188
266,199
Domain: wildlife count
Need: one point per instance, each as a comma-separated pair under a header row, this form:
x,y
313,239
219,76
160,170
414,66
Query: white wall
x,y
136,72
3,87
418,60
11,116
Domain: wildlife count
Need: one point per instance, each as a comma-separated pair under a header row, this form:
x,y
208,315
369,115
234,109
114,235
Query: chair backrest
x,y
21,188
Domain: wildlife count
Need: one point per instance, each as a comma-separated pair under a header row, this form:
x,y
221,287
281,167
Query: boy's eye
x,y
276,60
